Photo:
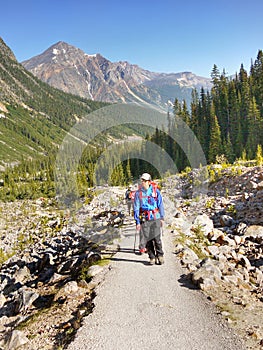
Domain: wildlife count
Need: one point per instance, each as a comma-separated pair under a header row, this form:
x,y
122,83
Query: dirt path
x,y
139,306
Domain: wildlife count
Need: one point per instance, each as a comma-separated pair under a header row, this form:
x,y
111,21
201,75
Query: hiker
x,y
129,198
149,216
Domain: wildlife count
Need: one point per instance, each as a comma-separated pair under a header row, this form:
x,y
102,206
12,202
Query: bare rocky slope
x,y
58,260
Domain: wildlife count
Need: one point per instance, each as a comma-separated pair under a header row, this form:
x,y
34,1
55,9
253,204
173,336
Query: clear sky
x,y
158,35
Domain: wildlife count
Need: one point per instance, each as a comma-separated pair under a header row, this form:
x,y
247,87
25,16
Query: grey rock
x,y
25,299
17,339
94,270
226,220
213,250
189,256
255,233
207,275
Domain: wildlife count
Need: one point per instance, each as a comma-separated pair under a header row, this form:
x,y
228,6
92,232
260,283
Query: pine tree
x,y
259,155
254,129
215,140
244,90
117,177
228,150
215,75
257,80
222,108
194,112
128,172
234,132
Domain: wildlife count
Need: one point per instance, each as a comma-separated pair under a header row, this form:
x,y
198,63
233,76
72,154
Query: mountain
x,y
92,76
34,117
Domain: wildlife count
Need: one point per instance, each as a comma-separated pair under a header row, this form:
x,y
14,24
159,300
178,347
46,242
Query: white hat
x,y
146,177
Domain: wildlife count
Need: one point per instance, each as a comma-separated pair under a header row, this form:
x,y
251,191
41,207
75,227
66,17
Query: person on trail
x,y
128,198
149,216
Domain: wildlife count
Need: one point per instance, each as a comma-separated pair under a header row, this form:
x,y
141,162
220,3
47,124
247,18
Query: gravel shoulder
x,y
143,306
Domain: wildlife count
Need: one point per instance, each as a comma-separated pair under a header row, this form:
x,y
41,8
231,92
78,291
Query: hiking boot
x,y
143,250
152,261
161,260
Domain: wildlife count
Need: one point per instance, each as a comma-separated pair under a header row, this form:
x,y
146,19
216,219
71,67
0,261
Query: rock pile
x,y
233,258
55,271
220,241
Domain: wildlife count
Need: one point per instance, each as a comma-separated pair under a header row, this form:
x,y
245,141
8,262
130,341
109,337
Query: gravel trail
x,y
139,306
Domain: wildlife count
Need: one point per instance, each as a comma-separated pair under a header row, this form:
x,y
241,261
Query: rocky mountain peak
x,y
60,53
93,76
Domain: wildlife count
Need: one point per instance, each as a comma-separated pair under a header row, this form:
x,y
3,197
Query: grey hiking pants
x,y
150,237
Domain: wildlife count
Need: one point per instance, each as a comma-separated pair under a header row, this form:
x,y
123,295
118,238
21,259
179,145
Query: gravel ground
x,y
139,306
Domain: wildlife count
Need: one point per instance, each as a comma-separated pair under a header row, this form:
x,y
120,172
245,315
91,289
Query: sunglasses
x,y
144,180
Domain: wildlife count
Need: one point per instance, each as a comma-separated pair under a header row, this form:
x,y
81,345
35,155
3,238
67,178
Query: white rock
x,y
205,222
17,339
2,300
94,270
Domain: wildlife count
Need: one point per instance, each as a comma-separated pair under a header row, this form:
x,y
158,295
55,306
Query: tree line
x,y
227,121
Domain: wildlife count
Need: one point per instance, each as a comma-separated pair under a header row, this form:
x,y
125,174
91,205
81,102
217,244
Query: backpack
x,y
153,195
132,195
155,186
127,194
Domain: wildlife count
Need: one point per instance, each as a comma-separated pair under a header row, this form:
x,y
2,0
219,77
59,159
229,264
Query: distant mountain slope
x,y
34,116
92,76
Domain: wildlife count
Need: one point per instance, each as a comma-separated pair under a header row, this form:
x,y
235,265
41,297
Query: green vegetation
x,y
231,209
228,121
195,242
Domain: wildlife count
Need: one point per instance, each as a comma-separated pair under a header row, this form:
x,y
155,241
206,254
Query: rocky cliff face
x,y
93,76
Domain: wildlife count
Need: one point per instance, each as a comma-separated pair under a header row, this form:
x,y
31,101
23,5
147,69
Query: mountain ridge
x,y
34,116
93,76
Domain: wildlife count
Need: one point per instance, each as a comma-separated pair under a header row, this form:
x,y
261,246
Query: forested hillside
x,y
34,119
34,116
228,120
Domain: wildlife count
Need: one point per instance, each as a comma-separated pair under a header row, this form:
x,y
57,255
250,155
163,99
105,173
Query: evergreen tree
x,y
128,178
259,155
228,150
215,140
234,135
254,129
256,79
244,91
194,112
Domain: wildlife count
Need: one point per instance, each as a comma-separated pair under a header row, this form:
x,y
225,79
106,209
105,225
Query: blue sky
x,y
158,35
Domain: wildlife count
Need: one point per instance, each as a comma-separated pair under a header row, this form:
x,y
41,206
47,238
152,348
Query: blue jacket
x,y
145,200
